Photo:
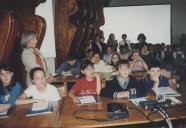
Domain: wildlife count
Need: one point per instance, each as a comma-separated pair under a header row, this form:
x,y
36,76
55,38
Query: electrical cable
x,y
165,115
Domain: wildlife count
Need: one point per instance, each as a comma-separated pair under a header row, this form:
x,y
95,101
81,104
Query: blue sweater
x,y
11,96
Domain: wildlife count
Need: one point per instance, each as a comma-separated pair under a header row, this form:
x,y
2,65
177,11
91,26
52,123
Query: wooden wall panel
x,y
81,20
21,18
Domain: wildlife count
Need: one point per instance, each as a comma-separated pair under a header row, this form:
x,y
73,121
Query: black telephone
x,y
117,111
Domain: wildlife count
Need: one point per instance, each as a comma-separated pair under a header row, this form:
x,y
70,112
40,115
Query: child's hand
x,y
123,94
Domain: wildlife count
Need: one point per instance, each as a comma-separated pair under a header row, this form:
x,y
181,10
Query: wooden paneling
x,y
17,16
76,23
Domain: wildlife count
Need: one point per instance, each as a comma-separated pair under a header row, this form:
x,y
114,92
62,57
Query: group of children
x,y
11,92
88,84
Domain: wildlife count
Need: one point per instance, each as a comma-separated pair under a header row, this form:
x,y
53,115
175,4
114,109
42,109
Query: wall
x,y
178,13
48,45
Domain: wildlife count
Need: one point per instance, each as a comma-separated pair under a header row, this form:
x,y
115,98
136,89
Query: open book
x,y
88,99
40,108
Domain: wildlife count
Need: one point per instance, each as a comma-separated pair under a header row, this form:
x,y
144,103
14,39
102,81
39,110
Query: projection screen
x,y
152,20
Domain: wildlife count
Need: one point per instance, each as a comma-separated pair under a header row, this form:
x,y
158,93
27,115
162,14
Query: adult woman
x,y
9,89
31,56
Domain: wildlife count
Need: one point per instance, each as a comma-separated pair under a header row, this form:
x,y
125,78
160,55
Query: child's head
x,y
124,36
154,69
109,50
87,68
123,68
115,58
6,74
89,53
71,59
135,55
123,49
96,57
38,76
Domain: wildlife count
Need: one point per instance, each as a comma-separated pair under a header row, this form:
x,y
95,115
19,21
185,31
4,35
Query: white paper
x,y
167,91
174,100
86,99
137,100
3,113
39,106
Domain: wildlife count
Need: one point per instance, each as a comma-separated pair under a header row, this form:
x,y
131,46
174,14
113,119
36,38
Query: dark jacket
x,y
113,86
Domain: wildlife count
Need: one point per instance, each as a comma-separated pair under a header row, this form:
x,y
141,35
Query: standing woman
x,y
9,89
31,56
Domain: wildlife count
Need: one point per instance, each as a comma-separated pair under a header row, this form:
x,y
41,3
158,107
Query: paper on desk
x,y
86,99
3,113
167,91
137,100
39,106
174,100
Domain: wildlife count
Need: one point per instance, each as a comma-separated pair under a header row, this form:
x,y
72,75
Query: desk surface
x,y
64,111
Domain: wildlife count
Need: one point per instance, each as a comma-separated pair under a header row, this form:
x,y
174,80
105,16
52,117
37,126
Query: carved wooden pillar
x,y
75,24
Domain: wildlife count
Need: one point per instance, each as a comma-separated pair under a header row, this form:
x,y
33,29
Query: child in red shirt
x,y
89,84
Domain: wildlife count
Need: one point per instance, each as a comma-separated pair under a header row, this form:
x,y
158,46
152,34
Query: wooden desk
x,y
136,114
63,115
72,79
18,118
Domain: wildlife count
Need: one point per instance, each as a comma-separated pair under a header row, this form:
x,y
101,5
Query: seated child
x,y
107,56
40,90
9,88
89,84
154,78
69,67
121,85
137,63
99,64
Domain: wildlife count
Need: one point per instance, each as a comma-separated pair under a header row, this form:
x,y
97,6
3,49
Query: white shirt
x,y
122,43
50,94
100,67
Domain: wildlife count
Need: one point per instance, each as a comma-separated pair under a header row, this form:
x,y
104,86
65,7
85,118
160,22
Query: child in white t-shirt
x,y
40,90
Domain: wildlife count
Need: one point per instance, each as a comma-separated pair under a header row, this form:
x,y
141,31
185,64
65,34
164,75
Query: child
x,y
70,67
154,78
137,63
9,89
89,84
122,84
99,64
40,90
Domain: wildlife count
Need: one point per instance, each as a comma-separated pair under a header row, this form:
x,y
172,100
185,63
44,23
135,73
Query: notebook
x,y
40,108
166,91
88,99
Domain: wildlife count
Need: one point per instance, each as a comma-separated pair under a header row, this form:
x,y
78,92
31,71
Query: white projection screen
x,y
152,20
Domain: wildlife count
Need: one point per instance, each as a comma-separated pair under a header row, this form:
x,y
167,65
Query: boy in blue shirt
x,y
154,78
9,89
